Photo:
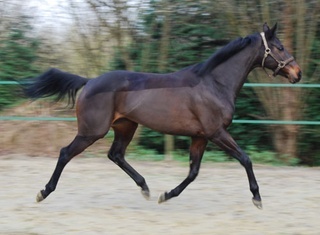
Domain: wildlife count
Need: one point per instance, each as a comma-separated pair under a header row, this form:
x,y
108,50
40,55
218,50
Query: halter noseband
x,y
267,52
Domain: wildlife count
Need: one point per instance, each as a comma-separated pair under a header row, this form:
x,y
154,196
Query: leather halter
x,y
267,52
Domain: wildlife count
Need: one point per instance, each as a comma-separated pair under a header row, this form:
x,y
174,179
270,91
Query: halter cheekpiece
x,y
267,52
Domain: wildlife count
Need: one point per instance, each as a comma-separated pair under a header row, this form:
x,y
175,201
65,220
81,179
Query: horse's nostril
x,y
299,74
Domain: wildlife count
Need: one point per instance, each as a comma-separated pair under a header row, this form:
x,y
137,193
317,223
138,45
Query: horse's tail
x,y
54,82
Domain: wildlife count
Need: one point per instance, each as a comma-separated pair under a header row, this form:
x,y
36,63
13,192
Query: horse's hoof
x,y
39,197
257,203
145,194
162,198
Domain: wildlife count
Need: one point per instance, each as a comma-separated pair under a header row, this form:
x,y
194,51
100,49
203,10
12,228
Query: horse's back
x,y
119,81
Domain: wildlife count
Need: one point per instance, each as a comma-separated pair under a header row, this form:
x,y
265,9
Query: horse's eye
x,y
278,46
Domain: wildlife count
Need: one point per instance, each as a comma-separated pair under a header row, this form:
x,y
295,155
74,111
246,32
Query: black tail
x,y
54,82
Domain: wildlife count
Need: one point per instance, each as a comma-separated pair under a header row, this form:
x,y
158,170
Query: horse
x,y
197,101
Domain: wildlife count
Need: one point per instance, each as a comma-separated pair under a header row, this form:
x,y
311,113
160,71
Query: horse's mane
x,y
221,56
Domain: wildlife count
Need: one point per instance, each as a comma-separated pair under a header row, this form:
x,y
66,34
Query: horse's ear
x,y
265,27
274,29
270,33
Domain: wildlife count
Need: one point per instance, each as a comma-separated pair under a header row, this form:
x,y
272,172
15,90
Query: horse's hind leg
x,y
79,144
94,118
123,132
197,148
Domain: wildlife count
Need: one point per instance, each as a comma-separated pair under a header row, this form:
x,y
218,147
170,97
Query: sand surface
x,y
95,197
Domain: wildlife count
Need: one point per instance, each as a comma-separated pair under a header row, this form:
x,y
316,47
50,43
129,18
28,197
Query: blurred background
x,y
91,37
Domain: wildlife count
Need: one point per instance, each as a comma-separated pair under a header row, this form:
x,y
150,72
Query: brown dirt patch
x,y
41,138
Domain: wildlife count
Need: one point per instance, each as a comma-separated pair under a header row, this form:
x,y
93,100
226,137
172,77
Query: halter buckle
x,y
282,64
267,51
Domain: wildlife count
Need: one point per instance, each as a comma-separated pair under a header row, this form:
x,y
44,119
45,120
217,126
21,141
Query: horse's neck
x,y
230,76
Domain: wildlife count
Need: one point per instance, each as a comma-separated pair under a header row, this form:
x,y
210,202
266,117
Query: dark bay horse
x,y
197,101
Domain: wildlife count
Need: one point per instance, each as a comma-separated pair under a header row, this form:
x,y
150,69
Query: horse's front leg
x,y
123,134
224,140
197,148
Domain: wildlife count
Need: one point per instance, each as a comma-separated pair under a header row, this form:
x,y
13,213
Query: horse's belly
x,y
176,121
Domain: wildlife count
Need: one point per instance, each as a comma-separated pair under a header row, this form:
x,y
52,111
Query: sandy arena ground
x,y
95,197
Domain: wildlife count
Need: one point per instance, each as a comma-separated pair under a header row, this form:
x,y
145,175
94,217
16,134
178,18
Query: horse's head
x,y
277,58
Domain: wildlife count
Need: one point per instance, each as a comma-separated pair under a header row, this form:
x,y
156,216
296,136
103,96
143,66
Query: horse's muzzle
x,y
298,78
293,73
295,78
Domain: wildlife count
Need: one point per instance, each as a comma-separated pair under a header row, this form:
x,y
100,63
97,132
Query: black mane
x,y
220,56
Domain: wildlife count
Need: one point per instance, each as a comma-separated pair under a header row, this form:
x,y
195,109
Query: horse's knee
x,y
64,156
246,161
116,158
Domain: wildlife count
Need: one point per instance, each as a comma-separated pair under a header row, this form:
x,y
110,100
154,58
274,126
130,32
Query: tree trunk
x,y
285,136
163,57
